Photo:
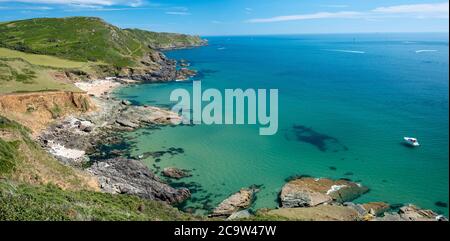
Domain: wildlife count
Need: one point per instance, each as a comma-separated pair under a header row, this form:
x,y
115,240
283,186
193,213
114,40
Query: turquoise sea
x,y
345,103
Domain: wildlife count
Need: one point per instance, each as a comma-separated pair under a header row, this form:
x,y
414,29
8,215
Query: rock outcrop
x,y
309,192
86,132
127,176
185,74
236,202
411,213
317,213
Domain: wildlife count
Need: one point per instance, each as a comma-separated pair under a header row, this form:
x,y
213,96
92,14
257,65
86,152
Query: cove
x,y
336,109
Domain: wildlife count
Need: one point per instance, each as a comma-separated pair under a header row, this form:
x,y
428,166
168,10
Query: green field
x,y
17,75
42,60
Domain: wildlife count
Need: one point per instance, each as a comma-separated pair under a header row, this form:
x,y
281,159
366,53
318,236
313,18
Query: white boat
x,y
411,141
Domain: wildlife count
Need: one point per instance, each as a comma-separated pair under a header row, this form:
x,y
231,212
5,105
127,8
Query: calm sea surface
x,y
345,103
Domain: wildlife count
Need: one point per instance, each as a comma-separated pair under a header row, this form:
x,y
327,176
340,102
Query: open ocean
x,y
345,103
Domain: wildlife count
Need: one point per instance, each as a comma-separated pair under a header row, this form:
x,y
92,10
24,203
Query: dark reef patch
x,y
441,204
332,168
201,74
348,174
323,142
294,177
158,154
345,179
396,206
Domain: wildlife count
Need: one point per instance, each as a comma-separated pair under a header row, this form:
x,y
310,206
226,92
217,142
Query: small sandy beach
x,y
101,87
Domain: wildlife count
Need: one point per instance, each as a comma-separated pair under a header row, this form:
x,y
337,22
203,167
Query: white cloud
x,y
132,3
422,11
319,15
178,13
432,8
27,8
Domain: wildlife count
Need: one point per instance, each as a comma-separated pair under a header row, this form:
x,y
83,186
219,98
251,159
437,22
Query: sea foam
x,y
346,51
425,50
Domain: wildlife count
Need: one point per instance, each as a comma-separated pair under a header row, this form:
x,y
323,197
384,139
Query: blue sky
x,y
246,17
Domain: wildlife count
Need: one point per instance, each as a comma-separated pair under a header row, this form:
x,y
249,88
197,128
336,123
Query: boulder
x,y
240,200
309,192
126,102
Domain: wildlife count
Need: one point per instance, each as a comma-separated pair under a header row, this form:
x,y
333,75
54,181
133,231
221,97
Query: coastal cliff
x,y
49,127
37,110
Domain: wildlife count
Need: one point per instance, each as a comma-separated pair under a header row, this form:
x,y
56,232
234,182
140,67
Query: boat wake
x,y
425,50
346,51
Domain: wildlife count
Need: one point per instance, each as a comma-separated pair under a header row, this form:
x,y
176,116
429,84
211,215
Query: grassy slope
x,y
41,60
25,202
17,75
164,40
84,39
78,38
48,45
28,192
22,159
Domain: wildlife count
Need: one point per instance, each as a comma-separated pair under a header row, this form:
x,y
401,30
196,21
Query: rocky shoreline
x,y
321,199
74,139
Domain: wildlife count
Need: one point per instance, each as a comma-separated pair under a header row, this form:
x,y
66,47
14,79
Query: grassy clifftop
x,y
165,40
48,202
86,39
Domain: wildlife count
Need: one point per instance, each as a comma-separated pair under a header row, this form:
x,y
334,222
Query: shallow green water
x,y
345,102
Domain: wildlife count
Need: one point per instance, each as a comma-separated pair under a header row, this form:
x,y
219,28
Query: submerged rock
x,y
185,73
308,192
236,202
127,176
175,173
